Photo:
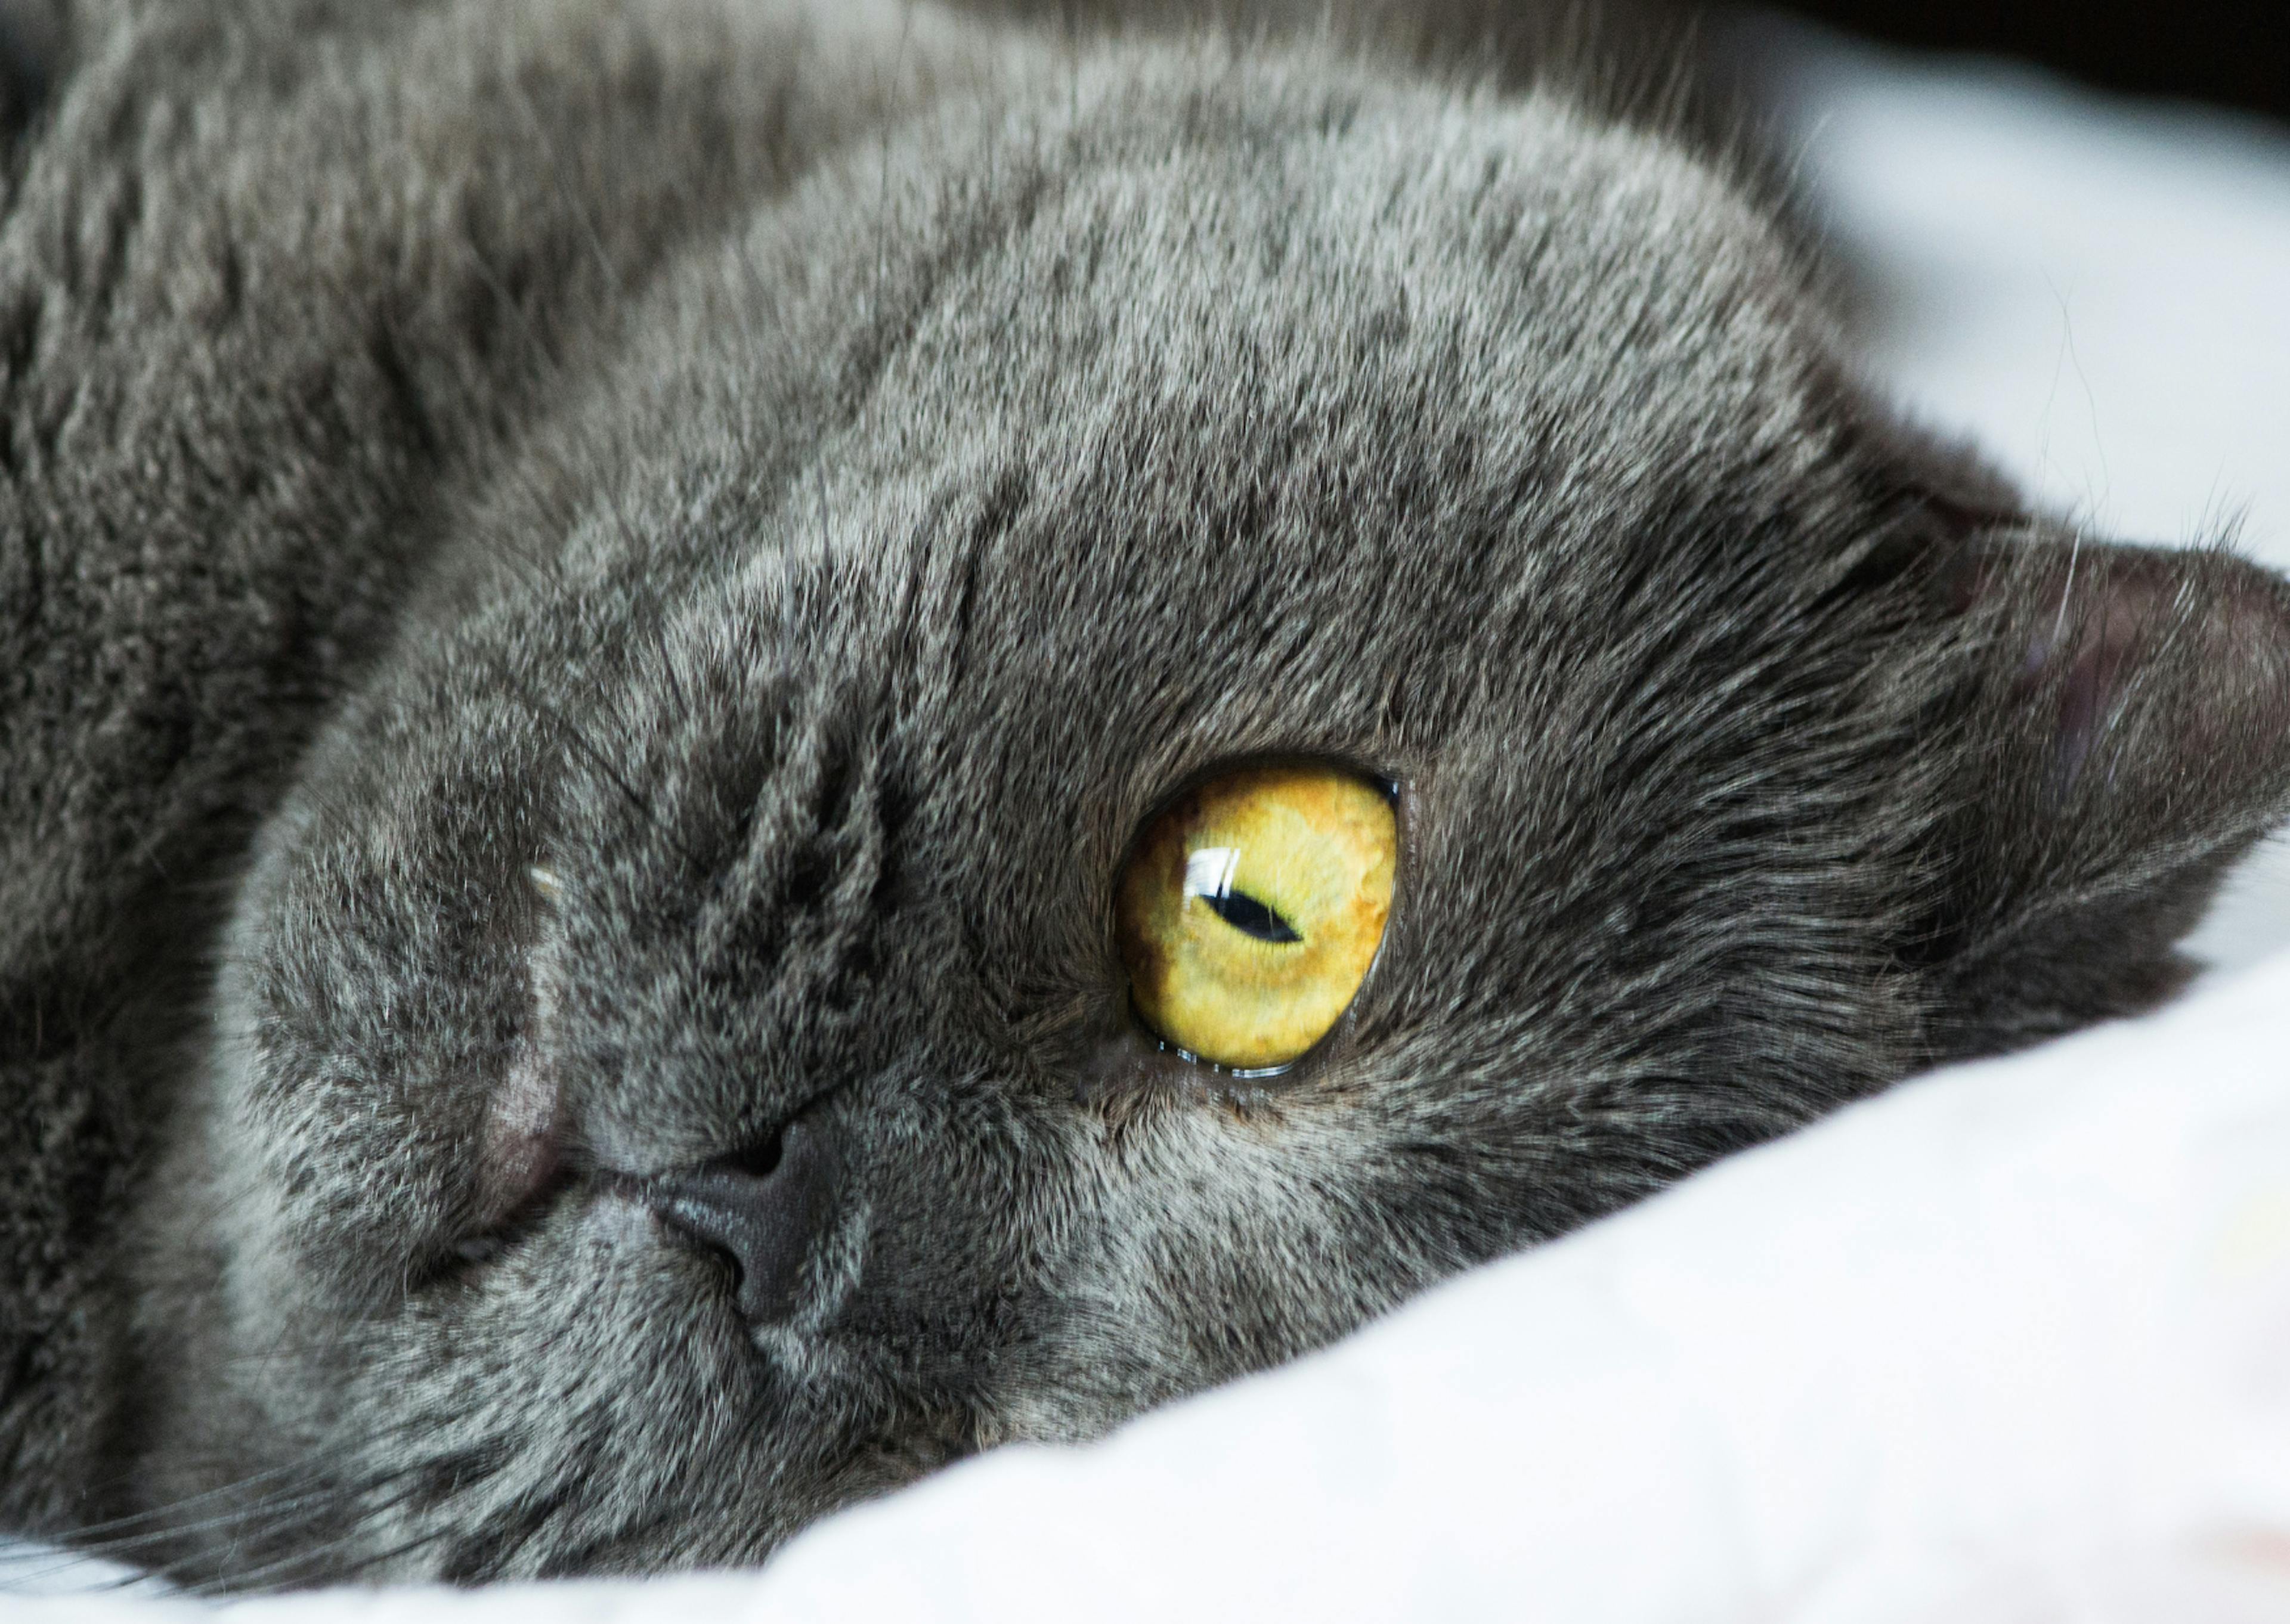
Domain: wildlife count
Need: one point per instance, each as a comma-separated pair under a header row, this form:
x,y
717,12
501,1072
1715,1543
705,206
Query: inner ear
x,y
2164,673
2107,642
31,63
2127,738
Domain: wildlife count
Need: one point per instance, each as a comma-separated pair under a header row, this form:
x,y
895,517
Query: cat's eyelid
x,y
546,882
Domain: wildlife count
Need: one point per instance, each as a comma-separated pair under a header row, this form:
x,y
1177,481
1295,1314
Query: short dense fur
x,y
813,482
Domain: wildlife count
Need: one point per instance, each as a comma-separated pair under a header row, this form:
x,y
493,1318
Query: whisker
x,y
264,1574
292,1487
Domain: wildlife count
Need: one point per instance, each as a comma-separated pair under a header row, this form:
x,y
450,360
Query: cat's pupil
x,y
1246,915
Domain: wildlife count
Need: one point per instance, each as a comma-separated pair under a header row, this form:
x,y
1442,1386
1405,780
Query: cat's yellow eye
x,y
1251,908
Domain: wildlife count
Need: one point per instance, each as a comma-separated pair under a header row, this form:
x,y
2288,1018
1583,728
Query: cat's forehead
x,y
1348,373
1327,417
1332,250
1271,340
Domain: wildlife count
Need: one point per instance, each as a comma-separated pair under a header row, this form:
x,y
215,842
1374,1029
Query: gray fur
x,y
814,482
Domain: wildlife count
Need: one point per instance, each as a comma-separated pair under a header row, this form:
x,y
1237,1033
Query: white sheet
x,y
2012,1343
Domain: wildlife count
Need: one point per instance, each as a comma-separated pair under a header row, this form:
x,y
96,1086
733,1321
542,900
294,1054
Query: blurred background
x,y
2232,52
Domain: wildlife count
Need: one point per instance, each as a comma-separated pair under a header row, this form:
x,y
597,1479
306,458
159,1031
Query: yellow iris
x,y
1251,911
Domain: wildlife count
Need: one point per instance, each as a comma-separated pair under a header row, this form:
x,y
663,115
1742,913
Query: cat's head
x,y
683,1061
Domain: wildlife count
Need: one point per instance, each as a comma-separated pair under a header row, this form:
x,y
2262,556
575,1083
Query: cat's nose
x,y
761,1213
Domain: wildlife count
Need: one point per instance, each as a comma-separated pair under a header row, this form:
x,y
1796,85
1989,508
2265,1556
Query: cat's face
x,y
743,828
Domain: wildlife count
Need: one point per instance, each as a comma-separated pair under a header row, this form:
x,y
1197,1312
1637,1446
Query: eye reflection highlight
x,y
1208,872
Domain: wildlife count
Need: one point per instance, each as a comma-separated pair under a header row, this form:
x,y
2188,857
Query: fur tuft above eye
x,y
1250,911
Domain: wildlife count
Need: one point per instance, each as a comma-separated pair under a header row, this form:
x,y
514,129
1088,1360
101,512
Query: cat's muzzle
x,y
760,1212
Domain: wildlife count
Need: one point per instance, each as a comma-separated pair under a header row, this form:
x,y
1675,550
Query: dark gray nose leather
x,y
762,1218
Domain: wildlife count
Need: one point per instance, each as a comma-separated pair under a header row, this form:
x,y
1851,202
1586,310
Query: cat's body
x,y
598,590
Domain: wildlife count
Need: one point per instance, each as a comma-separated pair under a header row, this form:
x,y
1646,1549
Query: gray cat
x,y
741,747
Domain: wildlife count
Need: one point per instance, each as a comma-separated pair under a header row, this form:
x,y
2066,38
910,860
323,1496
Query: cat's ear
x,y
2124,737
